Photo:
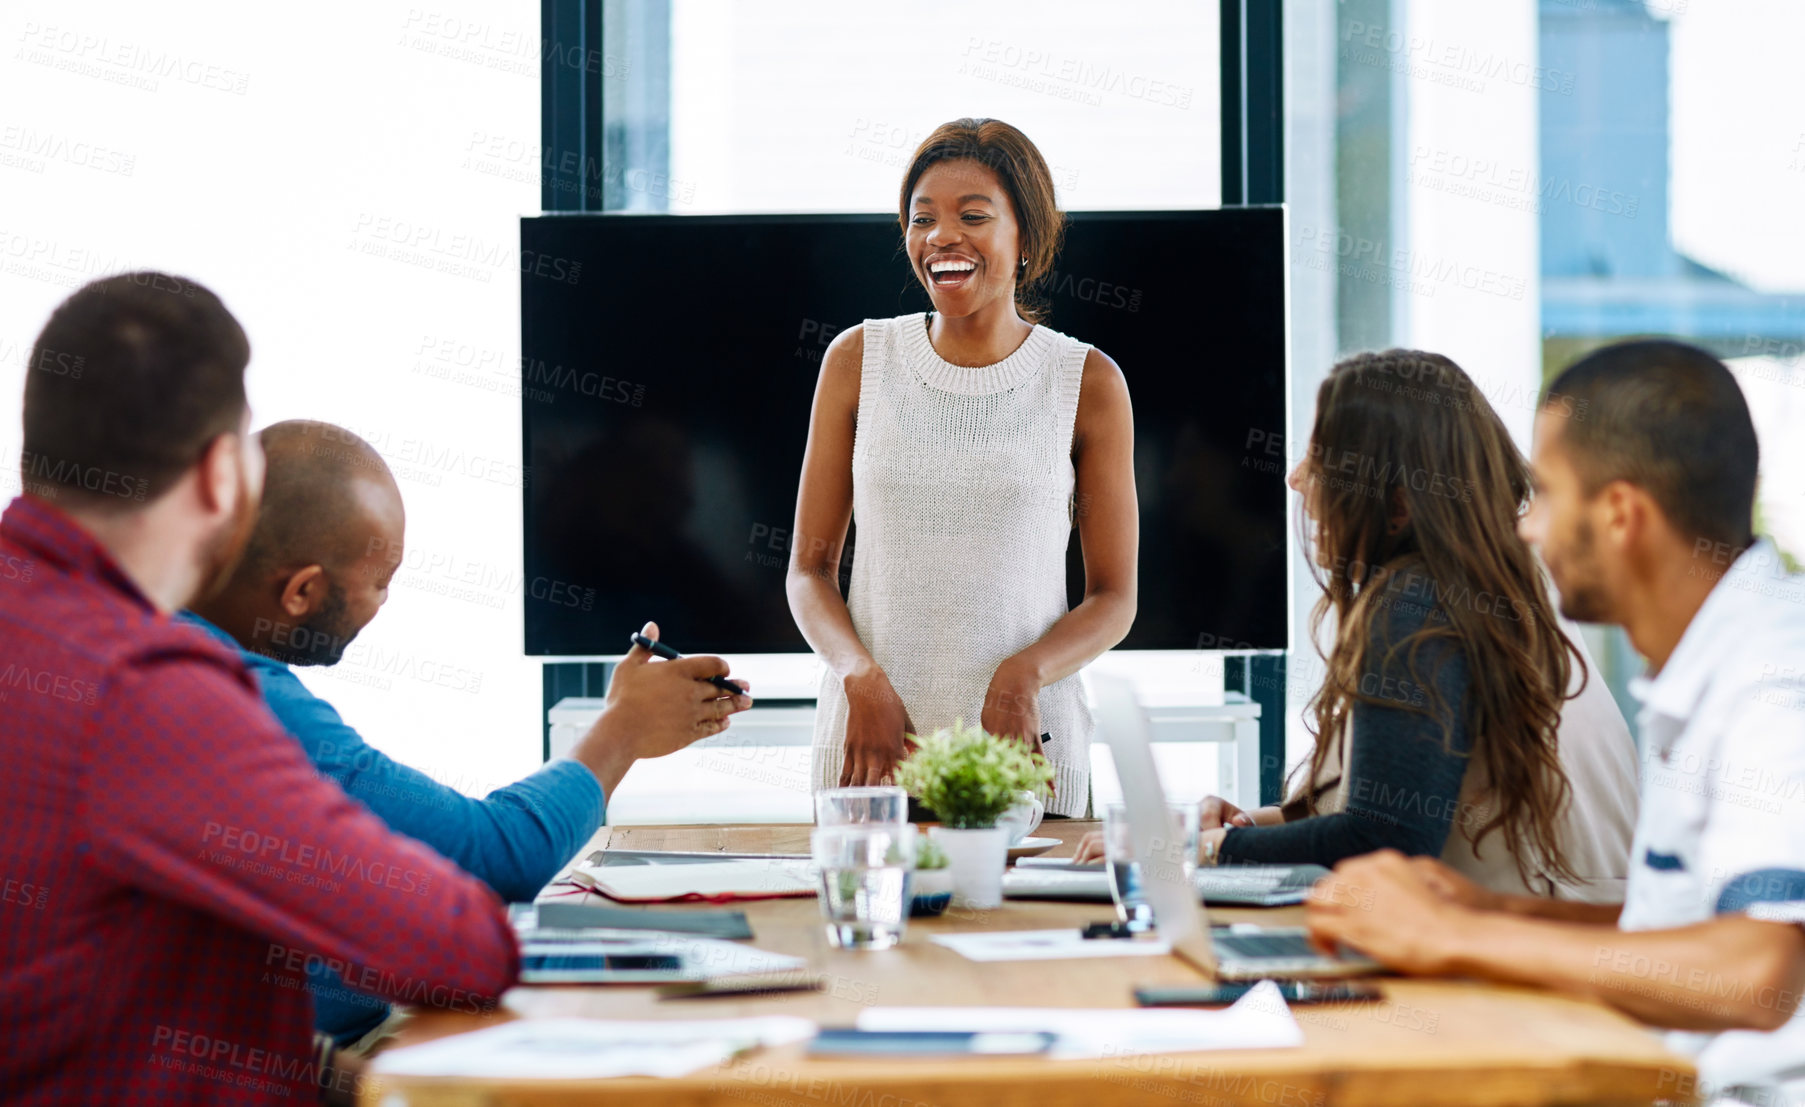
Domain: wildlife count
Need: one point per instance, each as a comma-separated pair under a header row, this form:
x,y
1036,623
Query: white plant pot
x,y
976,859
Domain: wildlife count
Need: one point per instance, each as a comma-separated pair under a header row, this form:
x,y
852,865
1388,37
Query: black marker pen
x,y
664,651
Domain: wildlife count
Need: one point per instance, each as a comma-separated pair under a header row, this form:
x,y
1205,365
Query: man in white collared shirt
x,y
1723,792
1645,463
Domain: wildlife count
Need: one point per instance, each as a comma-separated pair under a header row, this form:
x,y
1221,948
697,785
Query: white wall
x,y
347,176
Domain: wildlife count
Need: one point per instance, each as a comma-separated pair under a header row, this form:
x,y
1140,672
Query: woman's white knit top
x,y
962,498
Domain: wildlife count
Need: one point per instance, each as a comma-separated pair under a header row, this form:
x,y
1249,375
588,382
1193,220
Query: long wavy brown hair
x,y
1410,471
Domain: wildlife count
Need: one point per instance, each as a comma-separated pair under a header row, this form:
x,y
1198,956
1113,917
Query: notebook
x,y
713,881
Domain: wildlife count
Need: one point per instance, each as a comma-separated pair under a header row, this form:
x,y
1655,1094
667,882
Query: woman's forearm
x,y
1078,638
824,510
820,613
1318,840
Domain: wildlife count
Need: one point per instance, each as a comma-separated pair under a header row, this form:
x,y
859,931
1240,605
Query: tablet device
x,y
848,1042
597,968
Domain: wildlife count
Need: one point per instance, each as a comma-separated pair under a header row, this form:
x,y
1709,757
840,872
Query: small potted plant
x,y
970,778
933,886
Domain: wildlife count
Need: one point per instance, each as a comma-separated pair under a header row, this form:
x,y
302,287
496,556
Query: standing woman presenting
x,y
967,441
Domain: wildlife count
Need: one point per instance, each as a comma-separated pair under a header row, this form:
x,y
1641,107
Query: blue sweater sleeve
x,y
1403,780
515,839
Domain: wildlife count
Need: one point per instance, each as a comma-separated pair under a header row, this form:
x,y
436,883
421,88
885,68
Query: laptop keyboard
x,y
1285,944
1058,878
1242,880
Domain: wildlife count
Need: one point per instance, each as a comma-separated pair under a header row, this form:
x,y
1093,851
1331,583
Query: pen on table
x,y
661,650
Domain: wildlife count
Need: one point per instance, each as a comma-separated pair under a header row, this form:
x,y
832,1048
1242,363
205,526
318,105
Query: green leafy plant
x,y
929,855
970,777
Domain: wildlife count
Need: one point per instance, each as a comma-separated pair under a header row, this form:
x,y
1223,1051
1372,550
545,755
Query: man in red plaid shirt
x,y
170,862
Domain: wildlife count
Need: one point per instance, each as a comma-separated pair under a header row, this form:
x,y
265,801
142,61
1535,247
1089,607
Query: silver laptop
x,y
1059,878
1243,953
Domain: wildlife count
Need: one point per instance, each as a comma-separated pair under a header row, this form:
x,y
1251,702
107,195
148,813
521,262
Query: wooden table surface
x,y
1426,1042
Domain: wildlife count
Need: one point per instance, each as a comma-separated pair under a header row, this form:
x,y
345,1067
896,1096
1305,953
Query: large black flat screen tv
x,y
668,364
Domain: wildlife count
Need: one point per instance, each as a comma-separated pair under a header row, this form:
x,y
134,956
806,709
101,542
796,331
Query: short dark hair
x,y
1670,419
129,380
1018,164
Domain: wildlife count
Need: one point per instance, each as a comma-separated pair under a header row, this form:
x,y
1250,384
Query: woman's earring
x,y
1024,261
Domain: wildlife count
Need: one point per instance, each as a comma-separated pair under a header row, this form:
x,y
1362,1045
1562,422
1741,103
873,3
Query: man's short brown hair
x,y
130,379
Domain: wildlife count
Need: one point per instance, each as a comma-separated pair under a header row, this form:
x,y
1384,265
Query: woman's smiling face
x,y
963,241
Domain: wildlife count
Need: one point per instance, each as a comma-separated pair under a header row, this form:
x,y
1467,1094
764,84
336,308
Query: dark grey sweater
x,y
1403,783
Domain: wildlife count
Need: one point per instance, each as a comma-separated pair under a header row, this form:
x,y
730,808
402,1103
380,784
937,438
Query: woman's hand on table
x,y
1215,811
1090,847
876,722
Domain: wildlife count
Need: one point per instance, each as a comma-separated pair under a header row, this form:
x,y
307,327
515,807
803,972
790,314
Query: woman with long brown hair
x,y
1455,718
963,439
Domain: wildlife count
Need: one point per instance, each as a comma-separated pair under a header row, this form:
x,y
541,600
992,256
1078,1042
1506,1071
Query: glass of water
x,y
1181,850
1174,853
858,806
866,871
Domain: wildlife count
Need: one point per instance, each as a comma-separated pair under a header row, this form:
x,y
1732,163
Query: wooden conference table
x,y
1426,1042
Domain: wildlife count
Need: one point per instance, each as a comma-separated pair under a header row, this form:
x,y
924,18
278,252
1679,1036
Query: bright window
x,y
348,178
815,105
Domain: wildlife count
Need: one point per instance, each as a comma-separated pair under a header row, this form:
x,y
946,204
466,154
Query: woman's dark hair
x,y
1016,161
1407,429
130,380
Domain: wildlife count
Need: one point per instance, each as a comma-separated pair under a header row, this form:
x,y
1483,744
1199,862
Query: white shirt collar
x,y
1734,603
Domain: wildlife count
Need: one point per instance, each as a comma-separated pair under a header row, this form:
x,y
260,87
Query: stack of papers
x,y
1258,1020
710,880
577,1049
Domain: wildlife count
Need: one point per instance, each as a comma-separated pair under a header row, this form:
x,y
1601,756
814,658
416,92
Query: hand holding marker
x,y
659,649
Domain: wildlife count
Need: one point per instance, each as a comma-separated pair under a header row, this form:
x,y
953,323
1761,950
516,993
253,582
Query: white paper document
x,y
575,1049
1258,1020
1046,945
743,879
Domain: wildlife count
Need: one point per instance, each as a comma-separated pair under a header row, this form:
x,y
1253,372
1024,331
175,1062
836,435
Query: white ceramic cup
x,y
1023,817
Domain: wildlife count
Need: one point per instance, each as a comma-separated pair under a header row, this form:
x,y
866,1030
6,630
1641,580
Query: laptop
x,y
1050,878
1241,953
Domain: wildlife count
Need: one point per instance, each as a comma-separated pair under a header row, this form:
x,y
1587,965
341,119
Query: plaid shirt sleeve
x,y
210,803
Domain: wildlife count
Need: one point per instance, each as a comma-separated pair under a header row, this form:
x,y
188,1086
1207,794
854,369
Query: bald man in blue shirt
x,y
315,572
